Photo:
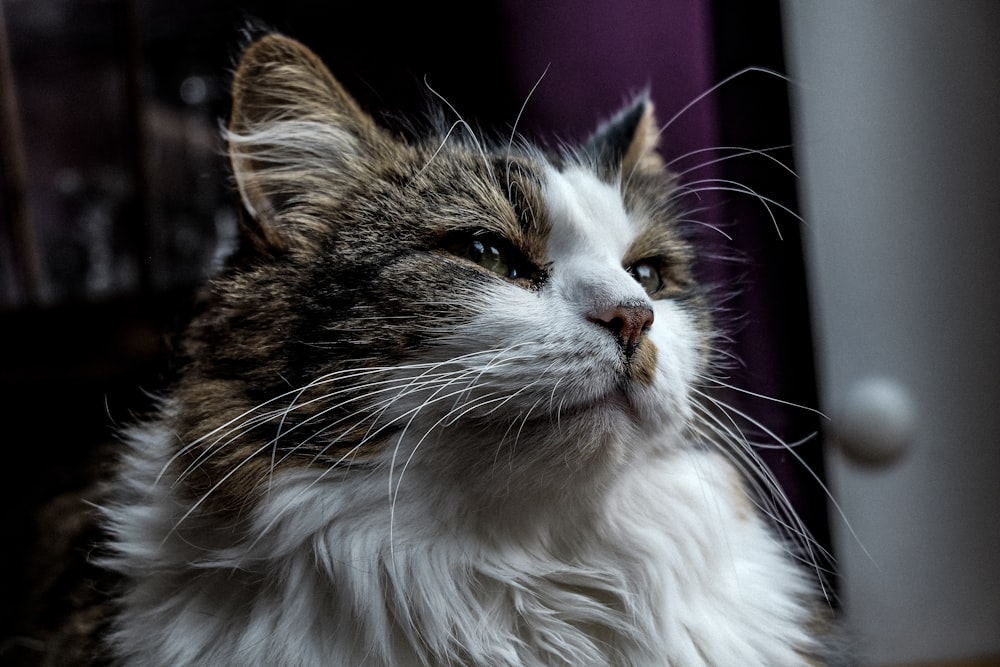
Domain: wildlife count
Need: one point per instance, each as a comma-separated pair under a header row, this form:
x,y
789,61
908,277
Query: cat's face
x,y
503,317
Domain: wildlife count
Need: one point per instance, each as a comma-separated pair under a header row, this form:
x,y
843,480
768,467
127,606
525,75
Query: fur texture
x,y
444,410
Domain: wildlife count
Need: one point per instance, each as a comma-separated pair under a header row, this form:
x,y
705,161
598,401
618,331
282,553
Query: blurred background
x,y
115,204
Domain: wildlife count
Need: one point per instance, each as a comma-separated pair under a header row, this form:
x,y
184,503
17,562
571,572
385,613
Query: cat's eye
x,y
493,254
647,273
489,256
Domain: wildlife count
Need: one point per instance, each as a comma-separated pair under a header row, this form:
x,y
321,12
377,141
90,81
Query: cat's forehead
x,y
585,213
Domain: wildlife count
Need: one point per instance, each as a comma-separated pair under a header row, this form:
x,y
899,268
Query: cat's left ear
x,y
628,141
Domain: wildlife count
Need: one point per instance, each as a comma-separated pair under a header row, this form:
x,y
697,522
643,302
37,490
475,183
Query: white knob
x,y
876,422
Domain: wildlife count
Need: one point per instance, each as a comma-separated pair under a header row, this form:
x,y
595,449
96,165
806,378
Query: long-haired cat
x,y
444,408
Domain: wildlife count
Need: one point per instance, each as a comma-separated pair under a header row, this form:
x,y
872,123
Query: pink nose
x,y
626,322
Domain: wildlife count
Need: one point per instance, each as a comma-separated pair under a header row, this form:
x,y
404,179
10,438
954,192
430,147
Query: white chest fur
x,y
672,569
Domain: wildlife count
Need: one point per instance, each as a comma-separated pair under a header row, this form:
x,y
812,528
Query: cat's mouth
x,y
640,365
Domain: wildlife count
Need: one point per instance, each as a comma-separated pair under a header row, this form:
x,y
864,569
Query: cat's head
x,y
506,317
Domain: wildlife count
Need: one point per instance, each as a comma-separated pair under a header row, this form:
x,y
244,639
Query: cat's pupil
x,y
492,258
648,275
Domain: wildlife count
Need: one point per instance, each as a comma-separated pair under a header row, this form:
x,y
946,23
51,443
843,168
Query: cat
x,y
445,407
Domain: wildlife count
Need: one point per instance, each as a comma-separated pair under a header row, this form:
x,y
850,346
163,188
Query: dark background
x,y
115,200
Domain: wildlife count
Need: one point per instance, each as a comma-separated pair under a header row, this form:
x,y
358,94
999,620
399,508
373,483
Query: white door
x,y
897,107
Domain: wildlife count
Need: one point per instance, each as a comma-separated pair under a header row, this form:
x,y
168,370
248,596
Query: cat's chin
x,y
617,403
619,414
631,413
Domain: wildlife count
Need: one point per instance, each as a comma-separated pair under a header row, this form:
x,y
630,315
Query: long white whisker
x,y
740,152
765,397
462,121
440,147
798,458
405,387
246,425
706,225
517,121
726,185
743,72
765,485
329,377
233,434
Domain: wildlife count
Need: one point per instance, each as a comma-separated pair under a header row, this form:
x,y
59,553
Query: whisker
x,y
765,486
765,397
243,427
437,150
706,225
404,386
740,151
247,420
712,89
725,185
798,458
709,91
461,121
517,121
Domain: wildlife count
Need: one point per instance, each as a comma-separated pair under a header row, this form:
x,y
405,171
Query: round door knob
x,y
876,422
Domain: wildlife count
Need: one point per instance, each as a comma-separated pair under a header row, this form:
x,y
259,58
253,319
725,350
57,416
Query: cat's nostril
x,y
626,321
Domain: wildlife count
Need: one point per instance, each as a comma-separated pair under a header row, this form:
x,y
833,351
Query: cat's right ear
x,y
291,121
628,142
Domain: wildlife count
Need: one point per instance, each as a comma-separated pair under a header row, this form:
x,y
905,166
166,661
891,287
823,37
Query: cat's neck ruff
x,y
352,573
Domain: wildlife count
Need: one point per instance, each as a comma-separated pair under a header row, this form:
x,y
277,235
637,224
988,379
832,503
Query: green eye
x,y
647,274
490,257
493,254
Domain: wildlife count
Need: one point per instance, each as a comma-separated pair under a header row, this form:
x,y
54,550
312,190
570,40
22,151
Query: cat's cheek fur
x,y
678,342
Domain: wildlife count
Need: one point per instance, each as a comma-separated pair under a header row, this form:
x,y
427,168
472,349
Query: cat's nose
x,y
627,322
